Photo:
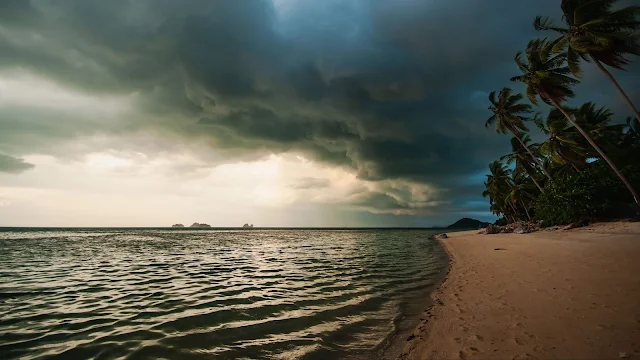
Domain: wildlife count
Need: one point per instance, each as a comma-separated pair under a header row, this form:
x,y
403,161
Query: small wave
x,y
282,294
15,295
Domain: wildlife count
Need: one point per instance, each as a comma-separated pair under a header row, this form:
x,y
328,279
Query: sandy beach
x,y
548,295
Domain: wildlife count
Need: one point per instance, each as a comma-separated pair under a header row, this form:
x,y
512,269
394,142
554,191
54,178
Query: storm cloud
x,y
392,91
10,164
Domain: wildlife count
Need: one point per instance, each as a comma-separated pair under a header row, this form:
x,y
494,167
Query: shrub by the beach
x,y
595,193
501,221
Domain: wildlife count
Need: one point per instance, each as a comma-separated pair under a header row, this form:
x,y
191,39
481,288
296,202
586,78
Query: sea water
x,y
221,294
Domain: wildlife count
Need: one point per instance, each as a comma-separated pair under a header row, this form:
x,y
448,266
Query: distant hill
x,y
466,223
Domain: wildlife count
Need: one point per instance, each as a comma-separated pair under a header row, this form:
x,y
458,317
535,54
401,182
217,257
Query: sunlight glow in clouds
x,y
134,190
130,187
317,113
21,89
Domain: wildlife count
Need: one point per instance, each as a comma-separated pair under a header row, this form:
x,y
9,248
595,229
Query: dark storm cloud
x,y
268,125
389,89
13,165
380,201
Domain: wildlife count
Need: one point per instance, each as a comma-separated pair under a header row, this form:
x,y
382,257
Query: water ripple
x,y
273,294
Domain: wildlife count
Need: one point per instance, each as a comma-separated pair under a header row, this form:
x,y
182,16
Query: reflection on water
x,y
175,294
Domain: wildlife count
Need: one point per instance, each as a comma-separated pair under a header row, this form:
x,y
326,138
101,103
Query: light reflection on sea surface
x,y
175,294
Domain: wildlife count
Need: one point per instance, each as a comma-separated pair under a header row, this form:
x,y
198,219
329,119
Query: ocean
x,y
212,294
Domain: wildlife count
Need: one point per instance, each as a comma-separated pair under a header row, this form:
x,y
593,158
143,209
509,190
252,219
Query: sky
x,y
271,112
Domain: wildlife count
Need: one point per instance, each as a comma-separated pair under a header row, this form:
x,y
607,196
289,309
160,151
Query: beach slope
x,y
564,294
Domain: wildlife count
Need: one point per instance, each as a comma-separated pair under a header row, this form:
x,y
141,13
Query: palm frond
x,y
573,62
492,97
537,119
545,23
520,62
490,121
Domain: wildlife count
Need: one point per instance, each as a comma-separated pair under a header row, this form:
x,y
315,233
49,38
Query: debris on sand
x,y
519,227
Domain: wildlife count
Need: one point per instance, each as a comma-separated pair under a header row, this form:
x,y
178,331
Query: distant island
x,y
467,223
198,225
207,226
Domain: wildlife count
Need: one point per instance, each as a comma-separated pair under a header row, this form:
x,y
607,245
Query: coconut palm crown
x,y
509,114
545,74
521,158
562,145
593,27
597,31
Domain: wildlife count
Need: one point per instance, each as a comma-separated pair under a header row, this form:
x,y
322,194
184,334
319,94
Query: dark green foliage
x,y
521,159
625,149
501,221
594,193
510,193
592,161
509,114
562,145
544,74
597,28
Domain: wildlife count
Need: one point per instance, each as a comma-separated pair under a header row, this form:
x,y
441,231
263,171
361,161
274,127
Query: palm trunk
x,y
515,212
509,218
525,210
566,159
535,158
574,166
617,86
533,178
597,148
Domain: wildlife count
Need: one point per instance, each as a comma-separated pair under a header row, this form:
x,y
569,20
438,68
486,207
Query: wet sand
x,y
547,295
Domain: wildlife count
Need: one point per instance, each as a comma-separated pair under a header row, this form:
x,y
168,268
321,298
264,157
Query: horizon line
x,y
223,227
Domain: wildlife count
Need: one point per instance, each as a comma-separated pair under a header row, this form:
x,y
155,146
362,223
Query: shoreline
x,y
419,334
563,294
393,345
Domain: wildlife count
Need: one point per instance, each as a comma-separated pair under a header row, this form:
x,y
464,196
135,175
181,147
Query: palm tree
x,y
521,158
495,209
596,32
498,186
509,114
597,123
559,170
520,193
547,76
562,143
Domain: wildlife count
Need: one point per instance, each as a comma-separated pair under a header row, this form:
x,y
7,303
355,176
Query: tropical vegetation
x,y
586,165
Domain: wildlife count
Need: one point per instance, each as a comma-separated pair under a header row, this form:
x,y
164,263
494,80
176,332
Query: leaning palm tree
x,y
596,32
509,115
559,170
547,76
520,194
521,159
498,186
562,144
597,123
